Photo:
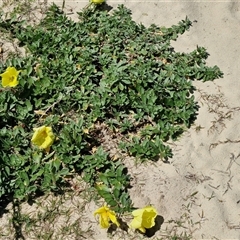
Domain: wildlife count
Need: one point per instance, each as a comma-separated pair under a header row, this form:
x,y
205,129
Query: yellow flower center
x,y
43,135
11,78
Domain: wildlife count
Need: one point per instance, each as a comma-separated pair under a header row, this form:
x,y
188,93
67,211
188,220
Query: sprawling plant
x,y
103,69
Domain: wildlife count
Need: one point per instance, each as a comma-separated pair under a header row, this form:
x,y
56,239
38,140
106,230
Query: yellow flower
x,y
97,1
143,218
43,137
9,77
106,215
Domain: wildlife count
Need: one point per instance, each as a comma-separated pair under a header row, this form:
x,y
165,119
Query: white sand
x,y
199,187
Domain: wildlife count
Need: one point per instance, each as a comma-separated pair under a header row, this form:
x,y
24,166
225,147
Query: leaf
x,y
24,178
116,193
29,105
64,172
29,70
56,164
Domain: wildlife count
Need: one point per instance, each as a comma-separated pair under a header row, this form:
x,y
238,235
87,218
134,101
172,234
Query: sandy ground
x,y
200,186
197,192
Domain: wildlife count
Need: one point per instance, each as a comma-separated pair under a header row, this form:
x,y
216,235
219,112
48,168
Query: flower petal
x,y
100,210
113,218
9,77
105,216
104,220
142,229
47,142
148,217
138,212
143,218
97,1
136,223
43,137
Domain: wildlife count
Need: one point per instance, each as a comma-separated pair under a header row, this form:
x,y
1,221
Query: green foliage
x,y
113,187
104,68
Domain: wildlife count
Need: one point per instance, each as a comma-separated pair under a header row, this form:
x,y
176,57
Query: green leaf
x,y
64,172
